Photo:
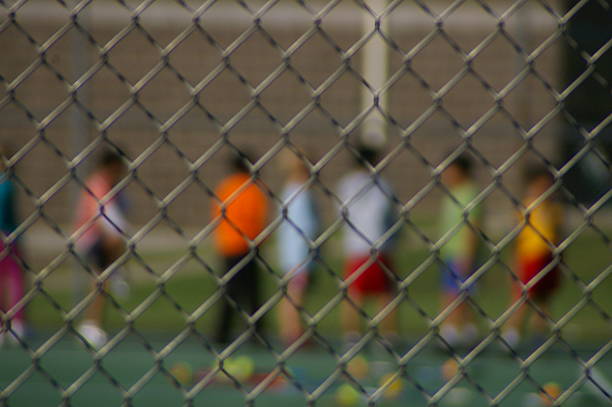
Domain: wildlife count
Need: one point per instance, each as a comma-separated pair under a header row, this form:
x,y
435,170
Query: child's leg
x,y
517,320
539,318
372,281
385,289
538,323
249,292
99,259
350,315
95,312
3,287
540,293
227,313
14,283
348,311
11,280
461,315
513,329
11,292
289,316
225,320
389,324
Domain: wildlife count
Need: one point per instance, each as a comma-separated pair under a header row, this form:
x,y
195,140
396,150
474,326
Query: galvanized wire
x,y
348,66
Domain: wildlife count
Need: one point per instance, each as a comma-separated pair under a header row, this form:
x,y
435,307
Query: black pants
x,y
241,294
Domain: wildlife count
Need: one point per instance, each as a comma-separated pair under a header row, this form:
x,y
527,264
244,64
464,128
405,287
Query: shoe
x,y
450,334
119,286
93,334
469,334
349,340
511,337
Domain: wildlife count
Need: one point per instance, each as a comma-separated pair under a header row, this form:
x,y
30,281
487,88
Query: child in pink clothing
x,y
11,275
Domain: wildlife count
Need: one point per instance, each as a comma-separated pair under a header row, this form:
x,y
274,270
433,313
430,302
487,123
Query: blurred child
x,y
298,229
102,241
367,211
460,252
534,252
242,207
11,275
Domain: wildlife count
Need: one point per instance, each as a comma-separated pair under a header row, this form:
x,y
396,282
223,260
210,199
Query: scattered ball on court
x,y
182,372
358,367
228,369
347,396
532,400
240,368
449,369
459,396
244,367
550,394
394,386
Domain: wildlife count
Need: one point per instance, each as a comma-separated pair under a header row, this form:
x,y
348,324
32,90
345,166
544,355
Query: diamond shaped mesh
x,y
179,89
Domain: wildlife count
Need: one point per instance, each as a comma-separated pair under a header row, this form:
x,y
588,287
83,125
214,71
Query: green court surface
x,y
179,284
31,378
105,382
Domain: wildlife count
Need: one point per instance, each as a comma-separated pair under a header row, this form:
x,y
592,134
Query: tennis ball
x,y
222,375
244,367
347,396
550,394
532,400
231,367
449,369
458,396
240,368
182,372
394,385
358,367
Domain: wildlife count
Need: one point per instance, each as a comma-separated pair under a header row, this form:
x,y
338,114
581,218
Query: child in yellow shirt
x,y
534,251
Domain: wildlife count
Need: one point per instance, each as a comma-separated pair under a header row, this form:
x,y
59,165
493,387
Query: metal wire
x,y
320,17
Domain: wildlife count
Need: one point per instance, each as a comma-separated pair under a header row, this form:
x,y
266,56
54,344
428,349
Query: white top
x,y
297,229
368,211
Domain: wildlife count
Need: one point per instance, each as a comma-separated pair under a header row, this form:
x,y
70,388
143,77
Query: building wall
x,y
46,141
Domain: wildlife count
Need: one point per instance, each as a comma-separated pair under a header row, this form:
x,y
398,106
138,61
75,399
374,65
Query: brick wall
x,y
195,58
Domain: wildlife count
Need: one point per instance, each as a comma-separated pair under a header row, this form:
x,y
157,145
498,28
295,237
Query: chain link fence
x,y
179,89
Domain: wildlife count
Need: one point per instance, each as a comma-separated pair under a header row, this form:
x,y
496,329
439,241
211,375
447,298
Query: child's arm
x,y
5,200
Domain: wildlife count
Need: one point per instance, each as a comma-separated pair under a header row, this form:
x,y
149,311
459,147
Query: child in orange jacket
x,y
240,207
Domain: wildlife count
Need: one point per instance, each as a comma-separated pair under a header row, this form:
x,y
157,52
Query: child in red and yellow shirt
x,y
534,251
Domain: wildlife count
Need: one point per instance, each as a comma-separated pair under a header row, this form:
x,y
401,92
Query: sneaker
x,y
119,286
469,334
511,337
349,340
93,334
450,334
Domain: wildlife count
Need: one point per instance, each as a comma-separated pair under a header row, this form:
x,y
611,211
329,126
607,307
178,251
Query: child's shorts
x,y
530,267
452,277
97,256
373,280
299,282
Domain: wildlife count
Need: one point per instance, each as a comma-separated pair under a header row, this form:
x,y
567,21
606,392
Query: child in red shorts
x,y
367,212
535,261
